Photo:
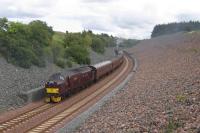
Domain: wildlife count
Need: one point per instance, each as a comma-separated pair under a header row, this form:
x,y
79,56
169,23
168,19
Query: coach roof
x,y
102,64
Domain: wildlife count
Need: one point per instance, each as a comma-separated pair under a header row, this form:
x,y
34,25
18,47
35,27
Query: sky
x,y
121,18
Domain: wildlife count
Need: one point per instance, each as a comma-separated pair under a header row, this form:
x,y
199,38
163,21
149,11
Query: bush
x,y
39,61
69,63
23,44
181,98
173,125
78,53
98,45
48,54
22,57
57,51
61,62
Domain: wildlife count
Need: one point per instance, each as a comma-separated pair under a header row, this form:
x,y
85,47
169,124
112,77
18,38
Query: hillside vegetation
x,y
163,29
34,43
127,43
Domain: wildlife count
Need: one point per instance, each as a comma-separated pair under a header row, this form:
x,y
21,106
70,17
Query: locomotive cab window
x,y
56,76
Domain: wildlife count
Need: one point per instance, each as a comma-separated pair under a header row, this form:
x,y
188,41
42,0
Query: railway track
x,y
9,124
48,117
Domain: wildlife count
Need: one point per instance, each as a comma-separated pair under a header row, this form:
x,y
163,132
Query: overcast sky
x,y
122,18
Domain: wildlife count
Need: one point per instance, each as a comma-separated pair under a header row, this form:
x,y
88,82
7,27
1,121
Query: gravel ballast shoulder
x,y
14,80
163,96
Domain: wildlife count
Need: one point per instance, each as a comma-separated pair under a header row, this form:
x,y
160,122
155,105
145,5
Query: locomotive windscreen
x,y
56,76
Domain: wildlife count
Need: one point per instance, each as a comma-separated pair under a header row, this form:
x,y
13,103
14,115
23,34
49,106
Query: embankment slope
x,y
164,93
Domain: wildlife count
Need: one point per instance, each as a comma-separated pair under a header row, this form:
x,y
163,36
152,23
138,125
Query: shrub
x,y
48,54
98,45
57,51
22,57
173,125
79,54
69,63
23,44
181,98
61,62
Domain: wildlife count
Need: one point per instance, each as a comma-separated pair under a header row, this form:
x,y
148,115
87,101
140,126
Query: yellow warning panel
x,y
52,90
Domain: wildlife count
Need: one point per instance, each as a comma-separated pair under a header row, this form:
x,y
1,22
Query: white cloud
x,y
124,18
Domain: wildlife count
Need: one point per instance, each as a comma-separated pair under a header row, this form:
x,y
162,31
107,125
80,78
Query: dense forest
x,y
163,29
34,43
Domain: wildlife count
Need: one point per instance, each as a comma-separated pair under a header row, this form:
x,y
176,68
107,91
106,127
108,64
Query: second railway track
x,y
48,117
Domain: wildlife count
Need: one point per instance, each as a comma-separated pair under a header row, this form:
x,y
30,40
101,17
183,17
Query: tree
x,y
41,32
23,44
79,54
18,31
87,40
170,28
97,45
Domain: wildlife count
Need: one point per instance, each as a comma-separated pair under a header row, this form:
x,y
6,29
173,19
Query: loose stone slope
x,y
163,95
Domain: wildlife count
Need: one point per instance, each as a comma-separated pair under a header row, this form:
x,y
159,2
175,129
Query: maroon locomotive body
x,y
80,77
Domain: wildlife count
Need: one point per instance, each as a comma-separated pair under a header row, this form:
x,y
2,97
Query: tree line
x,y
34,43
127,43
23,44
163,29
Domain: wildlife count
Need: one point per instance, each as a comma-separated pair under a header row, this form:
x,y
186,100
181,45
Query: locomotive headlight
x,y
52,90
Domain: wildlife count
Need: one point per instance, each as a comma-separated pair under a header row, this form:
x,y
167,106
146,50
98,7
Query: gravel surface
x,y
163,95
14,79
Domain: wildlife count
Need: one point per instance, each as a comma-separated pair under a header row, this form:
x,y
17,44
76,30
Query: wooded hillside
x,y
163,29
30,44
